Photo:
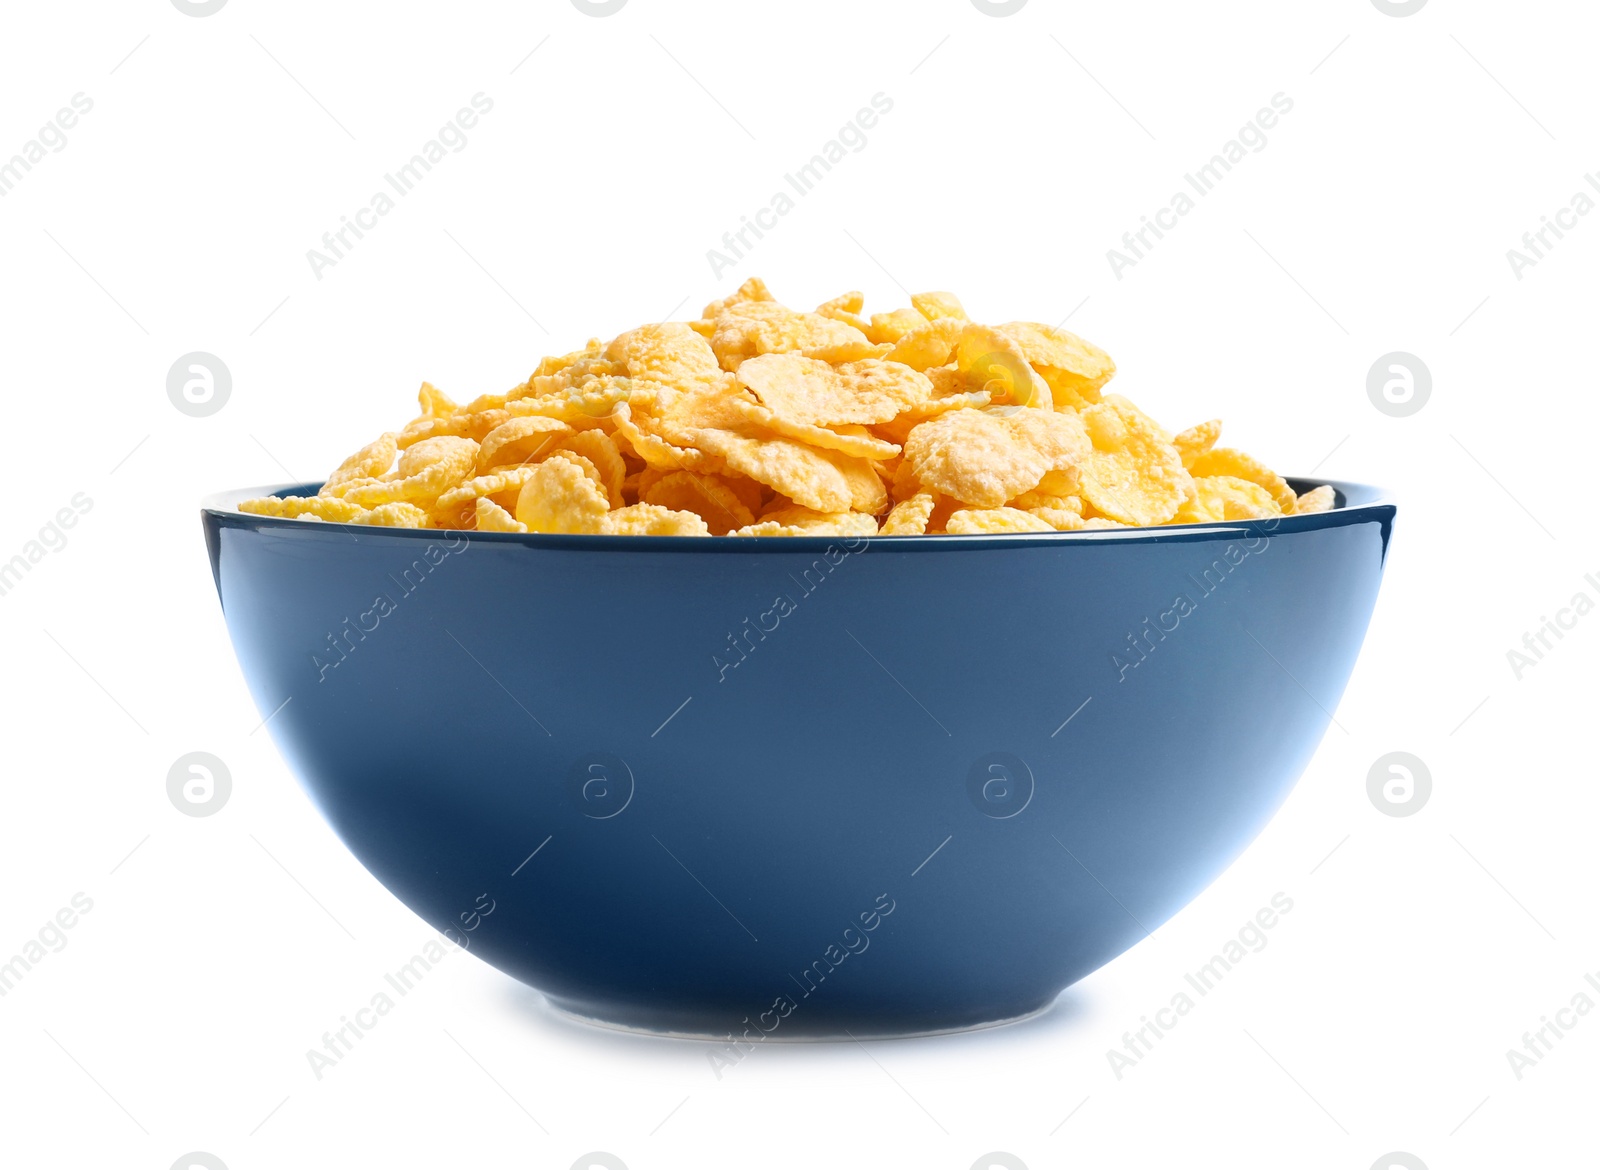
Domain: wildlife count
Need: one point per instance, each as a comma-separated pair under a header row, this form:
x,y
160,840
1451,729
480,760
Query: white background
x,y
1377,218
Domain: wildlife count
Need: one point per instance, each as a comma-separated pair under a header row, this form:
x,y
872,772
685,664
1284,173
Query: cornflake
x,y
760,420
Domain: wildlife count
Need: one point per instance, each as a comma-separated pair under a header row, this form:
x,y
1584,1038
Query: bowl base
x,y
579,1016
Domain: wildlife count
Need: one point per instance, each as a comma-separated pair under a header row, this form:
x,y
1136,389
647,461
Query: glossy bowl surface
x,y
799,787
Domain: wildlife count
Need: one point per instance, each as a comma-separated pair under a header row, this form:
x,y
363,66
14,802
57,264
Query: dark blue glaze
x,y
512,728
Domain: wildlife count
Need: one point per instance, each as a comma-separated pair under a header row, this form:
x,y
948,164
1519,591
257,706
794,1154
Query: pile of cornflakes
x,y
757,420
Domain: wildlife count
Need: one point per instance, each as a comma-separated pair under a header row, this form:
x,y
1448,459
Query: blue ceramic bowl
x,y
799,787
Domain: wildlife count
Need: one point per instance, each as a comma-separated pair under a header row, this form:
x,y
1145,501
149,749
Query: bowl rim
x,y
1360,503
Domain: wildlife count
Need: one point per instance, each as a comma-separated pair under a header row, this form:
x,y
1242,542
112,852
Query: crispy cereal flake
x,y
1228,461
1134,475
653,520
757,419
1318,499
1226,497
970,521
562,497
909,517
